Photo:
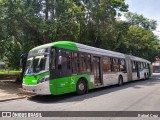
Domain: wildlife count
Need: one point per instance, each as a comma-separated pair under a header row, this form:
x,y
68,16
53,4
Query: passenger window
x,y
133,66
144,65
122,65
88,62
106,65
141,65
115,65
78,63
74,62
64,62
53,58
83,63
60,62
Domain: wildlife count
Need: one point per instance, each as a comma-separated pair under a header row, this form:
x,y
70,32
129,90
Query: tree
x,y
35,22
100,19
29,23
140,40
140,21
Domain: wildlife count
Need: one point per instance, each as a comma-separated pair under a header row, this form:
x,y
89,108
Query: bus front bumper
x,y
41,89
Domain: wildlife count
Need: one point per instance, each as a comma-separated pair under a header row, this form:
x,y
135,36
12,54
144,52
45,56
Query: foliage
x,y
140,42
29,23
9,72
141,21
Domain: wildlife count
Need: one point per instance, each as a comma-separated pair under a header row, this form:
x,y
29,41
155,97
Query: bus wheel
x,y
81,87
120,81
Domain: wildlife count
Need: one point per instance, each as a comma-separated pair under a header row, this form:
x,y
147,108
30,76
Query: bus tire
x,y
81,87
120,80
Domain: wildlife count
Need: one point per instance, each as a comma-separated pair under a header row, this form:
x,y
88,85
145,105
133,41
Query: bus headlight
x,y
46,78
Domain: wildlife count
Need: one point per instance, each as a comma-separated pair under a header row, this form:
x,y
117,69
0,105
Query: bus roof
x,y
99,51
88,49
60,44
138,59
80,47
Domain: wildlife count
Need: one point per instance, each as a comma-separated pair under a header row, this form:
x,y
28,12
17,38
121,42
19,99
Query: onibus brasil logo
x,y
21,114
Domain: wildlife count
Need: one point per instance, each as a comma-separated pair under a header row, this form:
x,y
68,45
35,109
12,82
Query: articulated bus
x,y
63,67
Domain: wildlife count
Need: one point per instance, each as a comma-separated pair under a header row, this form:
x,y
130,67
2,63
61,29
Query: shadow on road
x,y
71,97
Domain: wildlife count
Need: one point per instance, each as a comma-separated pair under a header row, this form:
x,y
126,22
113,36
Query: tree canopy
x,y
25,24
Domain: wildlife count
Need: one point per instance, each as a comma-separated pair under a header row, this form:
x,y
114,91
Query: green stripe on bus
x,y
33,80
60,44
68,84
65,45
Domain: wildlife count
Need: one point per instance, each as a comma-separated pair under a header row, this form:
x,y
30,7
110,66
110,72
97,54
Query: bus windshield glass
x,y
37,63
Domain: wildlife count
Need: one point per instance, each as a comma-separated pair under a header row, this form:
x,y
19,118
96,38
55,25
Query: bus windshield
x,y
37,64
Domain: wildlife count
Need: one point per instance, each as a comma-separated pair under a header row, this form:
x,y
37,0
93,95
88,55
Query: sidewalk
x,y
10,90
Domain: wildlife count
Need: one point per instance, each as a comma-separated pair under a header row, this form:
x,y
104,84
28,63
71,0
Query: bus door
x,y
97,71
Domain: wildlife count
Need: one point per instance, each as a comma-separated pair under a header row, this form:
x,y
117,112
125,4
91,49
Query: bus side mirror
x,y
23,59
20,62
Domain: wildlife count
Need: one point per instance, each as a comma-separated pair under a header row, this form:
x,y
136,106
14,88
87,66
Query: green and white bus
x,y
63,67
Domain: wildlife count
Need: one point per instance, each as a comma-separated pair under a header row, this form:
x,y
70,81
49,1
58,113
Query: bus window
x,y
145,65
53,59
133,66
68,57
83,63
74,62
122,65
78,63
64,63
60,62
88,62
115,65
141,64
106,65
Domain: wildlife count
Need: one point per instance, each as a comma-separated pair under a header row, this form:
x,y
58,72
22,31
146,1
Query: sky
x,y
149,8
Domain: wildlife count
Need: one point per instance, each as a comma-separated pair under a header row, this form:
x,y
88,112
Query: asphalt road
x,y
143,95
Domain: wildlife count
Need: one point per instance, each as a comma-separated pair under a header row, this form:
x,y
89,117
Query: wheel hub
x,y
81,86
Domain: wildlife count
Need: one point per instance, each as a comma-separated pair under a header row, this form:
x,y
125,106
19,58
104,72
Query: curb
x,y
14,98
